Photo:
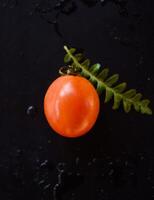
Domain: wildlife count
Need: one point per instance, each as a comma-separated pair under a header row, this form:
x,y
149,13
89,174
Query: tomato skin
x,y
71,105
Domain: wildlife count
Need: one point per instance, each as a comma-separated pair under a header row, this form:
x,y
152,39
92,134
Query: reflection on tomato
x,y
71,105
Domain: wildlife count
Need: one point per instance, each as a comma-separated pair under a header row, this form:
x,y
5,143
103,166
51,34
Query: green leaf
x,y
86,63
79,56
146,110
108,95
127,106
117,100
129,93
100,88
103,74
145,102
136,106
67,58
84,74
92,79
72,50
137,97
94,69
112,80
120,88
104,83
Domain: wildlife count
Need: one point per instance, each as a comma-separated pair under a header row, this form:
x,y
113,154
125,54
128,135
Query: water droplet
x,y
78,174
131,173
116,38
43,164
58,5
19,151
49,141
102,190
46,186
41,182
4,5
142,158
141,60
30,13
126,163
77,160
56,27
31,111
94,160
111,172
61,167
66,181
110,163
149,79
55,188
103,2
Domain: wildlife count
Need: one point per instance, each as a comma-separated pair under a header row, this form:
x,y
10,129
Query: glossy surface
x,y
71,105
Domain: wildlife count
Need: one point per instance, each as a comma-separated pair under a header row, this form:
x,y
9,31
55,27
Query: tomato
x,y
71,105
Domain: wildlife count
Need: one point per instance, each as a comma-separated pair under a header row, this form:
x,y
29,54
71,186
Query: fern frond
x,y
102,82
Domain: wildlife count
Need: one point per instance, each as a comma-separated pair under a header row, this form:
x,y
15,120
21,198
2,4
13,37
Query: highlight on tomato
x,y
71,106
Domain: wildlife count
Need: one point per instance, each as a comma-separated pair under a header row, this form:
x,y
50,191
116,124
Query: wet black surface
x,y
115,161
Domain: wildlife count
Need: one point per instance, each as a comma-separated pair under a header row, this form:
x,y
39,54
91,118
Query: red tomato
x,y
71,105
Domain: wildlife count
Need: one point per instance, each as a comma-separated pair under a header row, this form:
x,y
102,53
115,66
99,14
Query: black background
x,y
115,160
